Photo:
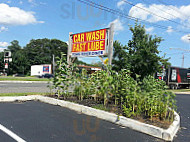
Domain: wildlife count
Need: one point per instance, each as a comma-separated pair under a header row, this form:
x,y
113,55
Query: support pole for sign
x,y
69,49
110,48
53,64
169,73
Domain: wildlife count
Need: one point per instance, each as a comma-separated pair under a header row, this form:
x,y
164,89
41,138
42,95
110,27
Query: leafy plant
x,y
136,97
63,77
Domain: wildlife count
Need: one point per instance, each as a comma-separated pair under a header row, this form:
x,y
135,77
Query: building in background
x,y
89,69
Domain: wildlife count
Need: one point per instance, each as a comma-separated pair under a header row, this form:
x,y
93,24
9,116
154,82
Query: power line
x,y
101,7
183,14
159,9
176,53
130,3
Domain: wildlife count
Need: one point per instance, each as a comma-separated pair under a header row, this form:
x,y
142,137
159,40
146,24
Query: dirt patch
x,y
156,122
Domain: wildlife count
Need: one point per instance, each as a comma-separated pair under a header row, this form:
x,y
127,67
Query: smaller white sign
x,y
10,59
6,60
6,66
174,75
88,53
7,54
188,75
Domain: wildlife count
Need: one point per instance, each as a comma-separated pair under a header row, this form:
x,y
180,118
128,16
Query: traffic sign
x,y
6,66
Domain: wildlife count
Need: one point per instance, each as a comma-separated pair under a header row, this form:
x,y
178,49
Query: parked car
x,y
46,76
18,75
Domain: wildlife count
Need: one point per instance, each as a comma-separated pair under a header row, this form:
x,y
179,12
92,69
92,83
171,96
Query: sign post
x,y
69,48
110,49
7,59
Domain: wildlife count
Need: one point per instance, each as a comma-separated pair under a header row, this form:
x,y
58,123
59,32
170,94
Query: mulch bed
x,y
111,107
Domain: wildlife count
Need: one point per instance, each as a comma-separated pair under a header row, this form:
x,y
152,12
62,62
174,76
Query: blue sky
x,y
24,20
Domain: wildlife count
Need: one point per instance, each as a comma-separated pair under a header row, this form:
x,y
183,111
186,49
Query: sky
x,y
24,20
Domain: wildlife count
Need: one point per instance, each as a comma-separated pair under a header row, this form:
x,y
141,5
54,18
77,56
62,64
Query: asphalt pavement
x,y
40,122
18,87
5,138
183,104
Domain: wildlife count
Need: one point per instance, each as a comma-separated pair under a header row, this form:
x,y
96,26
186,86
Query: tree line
x,y
36,52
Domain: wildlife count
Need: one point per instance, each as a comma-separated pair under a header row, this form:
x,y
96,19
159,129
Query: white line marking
x,y
11,134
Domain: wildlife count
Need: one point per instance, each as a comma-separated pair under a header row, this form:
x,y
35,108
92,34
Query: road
x,y
16,87
183,104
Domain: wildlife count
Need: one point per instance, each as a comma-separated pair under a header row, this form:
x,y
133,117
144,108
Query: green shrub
x,y
148,98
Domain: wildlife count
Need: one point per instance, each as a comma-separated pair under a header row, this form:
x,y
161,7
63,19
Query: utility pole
x,y
183,61
183,57
110,45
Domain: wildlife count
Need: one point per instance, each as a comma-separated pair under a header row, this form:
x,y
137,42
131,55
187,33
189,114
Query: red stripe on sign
x,y
178,76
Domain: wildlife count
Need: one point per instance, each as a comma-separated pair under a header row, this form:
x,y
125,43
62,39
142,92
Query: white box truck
x,y
39,70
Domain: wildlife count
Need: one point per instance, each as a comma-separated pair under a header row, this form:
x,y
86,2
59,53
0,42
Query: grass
x,y
180,90
10,78
21,94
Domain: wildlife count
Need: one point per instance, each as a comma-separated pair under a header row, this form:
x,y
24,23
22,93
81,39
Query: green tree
x,y
40,51
19,60
1,61
120,57
14,47
141,55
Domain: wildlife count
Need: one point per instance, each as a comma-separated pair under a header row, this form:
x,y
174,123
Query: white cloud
x,y
16,16
33,3
20,2
138,13
3,29
170,29
30,1
186,38
150,29
2,49
162,11
4,44
43,3
120,4
118,25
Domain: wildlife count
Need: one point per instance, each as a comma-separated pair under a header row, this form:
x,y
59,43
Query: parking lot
x,y
39,122
183,104
36,121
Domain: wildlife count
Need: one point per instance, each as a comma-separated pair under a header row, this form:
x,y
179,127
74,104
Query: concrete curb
x,y
182,93
165,134
12,81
